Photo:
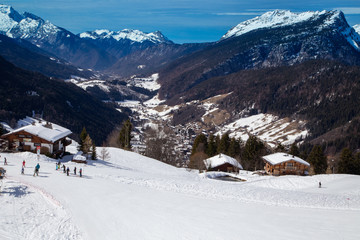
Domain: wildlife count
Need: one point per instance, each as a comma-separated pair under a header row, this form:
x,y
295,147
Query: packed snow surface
x,y
130,196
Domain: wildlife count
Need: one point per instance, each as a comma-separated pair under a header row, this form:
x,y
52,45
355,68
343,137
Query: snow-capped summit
x,y
8,18
129,34
26,25
278,18
357,28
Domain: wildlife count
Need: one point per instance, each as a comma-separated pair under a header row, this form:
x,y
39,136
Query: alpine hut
x,y
38,134
285,164
223,163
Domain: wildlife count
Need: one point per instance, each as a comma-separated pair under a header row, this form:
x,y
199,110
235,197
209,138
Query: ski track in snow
x,y
49,219
56,206
265,190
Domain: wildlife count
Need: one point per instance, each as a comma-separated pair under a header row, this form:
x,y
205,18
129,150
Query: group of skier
x,y
37,168
67,170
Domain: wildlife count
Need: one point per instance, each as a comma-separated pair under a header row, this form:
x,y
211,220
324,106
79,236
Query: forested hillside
x,y
23,93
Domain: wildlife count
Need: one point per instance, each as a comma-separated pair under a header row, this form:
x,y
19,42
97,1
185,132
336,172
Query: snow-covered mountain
x,y
53,39
26,25
357,28
273,19
281,18
126,34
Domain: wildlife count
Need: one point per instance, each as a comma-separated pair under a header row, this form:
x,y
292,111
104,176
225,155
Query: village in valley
x,y
248,131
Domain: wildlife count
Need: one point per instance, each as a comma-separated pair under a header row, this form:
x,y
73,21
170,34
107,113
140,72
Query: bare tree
x,y
160,144
104,153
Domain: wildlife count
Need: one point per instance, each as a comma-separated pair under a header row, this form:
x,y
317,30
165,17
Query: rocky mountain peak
x,y
126,34
279,18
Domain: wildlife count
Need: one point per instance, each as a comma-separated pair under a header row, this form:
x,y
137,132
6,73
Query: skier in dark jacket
x,y
67,171
37,167
74,170
64,168
80,172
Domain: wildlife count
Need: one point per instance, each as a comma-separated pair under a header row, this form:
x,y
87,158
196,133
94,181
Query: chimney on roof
x,y
219,155
48,125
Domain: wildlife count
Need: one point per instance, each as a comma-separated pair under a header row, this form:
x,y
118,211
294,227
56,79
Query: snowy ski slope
x,y
135,197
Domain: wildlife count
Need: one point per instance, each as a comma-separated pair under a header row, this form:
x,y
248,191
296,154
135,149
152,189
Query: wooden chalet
x,y
285,164
51,138
222,163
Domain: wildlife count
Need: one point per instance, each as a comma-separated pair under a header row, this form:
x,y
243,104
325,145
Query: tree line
x,y
250,154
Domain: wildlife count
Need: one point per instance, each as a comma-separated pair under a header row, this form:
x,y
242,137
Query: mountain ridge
x,y
262,48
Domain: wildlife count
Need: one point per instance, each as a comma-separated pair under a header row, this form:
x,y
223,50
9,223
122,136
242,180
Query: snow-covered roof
x,y
43,129
79,157
280,157
220,159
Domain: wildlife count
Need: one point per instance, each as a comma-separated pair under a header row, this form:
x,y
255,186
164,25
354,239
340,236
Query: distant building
x,y
51,138
79,158
223,163
285,164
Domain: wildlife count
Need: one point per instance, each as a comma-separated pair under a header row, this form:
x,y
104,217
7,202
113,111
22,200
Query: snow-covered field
x,y
134,197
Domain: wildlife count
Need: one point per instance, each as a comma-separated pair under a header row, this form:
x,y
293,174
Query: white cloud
x,y
238,13
349,10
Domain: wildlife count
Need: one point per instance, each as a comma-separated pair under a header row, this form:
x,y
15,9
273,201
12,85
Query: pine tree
x,y
125,135
83,135
294,150
318,160
211,149
200,144
279,148
217,143
87,144
348,163
251,154
93,152
224,143
234,148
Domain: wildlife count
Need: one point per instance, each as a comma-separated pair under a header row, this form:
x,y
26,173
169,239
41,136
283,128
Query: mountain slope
x,y
23,93
327,36
323,93
29,57
138,52
122,43
153,58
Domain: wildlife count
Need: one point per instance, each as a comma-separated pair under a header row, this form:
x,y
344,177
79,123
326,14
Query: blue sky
x,y
179,20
